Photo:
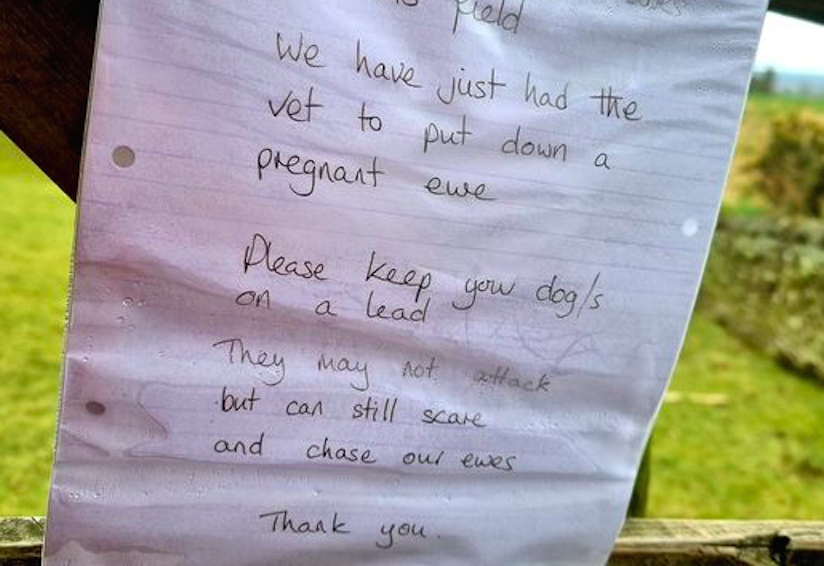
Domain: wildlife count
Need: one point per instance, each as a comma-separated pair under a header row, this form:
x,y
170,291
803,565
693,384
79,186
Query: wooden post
x,y
640,492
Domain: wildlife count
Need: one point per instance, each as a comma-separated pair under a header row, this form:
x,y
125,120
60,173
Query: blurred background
x,y
741,434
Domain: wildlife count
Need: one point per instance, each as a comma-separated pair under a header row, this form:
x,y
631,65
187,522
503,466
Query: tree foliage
x,y
789,166
764,81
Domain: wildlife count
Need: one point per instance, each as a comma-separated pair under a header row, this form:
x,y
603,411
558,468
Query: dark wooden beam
x,y
812,10
46,49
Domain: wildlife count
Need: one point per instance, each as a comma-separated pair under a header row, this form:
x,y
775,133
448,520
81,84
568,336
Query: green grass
x,y
760,455
773,104
35,239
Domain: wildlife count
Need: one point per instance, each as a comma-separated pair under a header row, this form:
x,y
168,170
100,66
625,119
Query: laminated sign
x,y
384,281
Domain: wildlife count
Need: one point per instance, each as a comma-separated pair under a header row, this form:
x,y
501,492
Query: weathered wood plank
x,y
45,64
657,542
646,542
21,539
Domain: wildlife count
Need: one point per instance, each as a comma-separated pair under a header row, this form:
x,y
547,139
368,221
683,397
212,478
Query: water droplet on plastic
x,y
690,227
121,319
127,302
74,496
141,303
84,359
316,492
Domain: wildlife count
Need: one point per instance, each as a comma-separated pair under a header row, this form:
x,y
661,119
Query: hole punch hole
x,y
95,408
123,156
690,227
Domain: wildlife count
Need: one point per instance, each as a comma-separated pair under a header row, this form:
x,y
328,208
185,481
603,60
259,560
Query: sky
x,y
791,45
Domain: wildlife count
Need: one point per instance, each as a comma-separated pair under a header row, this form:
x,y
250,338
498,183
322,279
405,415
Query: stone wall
x,y
765,283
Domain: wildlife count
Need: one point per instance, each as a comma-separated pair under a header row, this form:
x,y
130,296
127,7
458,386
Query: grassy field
x,y
757,454
36,222
760,454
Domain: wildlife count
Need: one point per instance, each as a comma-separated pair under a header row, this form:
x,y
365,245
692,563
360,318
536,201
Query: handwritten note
x,y
384,281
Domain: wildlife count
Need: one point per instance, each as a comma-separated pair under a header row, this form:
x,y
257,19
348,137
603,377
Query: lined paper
x,y
384,281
